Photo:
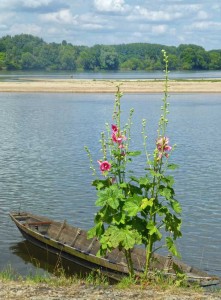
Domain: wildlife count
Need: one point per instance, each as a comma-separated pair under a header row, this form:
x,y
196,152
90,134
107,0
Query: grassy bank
x,y
96,286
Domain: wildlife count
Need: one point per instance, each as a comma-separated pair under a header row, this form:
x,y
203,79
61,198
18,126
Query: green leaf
x,y
123,185
147,202
155,174
169,180
131,238
120,237
172,247
132,205
91,232
153,230
173,225
144,181
138,224
166,192
176,206
134,189
134,153
101,184
119,218
101,201
172,166
133,178
110,196
113,202
97,230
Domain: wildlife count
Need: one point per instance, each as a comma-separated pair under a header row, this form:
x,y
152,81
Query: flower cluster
x,y
163,147
117,136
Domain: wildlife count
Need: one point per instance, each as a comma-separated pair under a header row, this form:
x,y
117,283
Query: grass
x,y
156,281
60,279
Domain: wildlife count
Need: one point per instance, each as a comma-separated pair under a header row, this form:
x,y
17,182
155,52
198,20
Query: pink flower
x,y
114,138
163,147
167,148
117,138
104,165
114,128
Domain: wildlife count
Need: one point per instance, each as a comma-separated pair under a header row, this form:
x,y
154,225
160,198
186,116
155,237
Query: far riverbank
x,y
24,85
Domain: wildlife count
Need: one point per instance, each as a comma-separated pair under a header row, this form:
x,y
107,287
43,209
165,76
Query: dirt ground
x,y
24,291
109,86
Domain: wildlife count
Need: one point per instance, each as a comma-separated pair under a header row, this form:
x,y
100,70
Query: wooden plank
x,y
38,223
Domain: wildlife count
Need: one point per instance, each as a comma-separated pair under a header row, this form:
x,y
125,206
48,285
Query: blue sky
x,y
90,22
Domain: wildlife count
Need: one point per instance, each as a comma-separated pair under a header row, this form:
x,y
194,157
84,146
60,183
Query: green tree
x,y
108,58
193,57
67,58
27,61
174,62
88,61
215,60
2,60
135,56
132,64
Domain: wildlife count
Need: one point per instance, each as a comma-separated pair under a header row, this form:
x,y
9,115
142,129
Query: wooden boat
x,y
72,244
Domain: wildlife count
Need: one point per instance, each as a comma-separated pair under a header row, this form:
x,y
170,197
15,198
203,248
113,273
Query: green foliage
x,y
28,52
135,210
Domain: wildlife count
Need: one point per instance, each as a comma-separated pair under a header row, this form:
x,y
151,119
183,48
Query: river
x,y
18,75
45,170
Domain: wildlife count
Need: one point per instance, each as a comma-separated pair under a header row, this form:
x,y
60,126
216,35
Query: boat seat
x,y
37,223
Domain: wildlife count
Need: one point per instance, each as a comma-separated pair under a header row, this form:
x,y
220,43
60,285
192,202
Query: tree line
x,y
28,52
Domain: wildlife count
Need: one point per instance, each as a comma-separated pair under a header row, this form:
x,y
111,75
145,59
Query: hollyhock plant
x,y
135,210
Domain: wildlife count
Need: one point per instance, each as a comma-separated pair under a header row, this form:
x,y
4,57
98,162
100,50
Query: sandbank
x,y
109,86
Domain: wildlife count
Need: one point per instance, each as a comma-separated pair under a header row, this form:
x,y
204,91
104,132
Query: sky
x,y
91,22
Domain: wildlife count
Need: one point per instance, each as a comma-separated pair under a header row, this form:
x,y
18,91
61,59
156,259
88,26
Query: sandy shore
x,y
109,86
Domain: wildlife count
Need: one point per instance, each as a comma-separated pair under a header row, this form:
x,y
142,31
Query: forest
x,y
28,52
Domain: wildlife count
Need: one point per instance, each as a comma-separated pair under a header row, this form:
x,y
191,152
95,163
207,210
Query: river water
x,y
22,75
45,170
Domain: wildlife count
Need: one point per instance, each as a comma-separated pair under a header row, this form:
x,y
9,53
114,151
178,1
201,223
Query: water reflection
x,y
40,261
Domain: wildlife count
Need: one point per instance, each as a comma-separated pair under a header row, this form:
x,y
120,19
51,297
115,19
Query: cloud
x,y
62,17
91,26
201,15
33,29
151,15
116,6
159,29
39,6
35,3
92,21
205,25
4,17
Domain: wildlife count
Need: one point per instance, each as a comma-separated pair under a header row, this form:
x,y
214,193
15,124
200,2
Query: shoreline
x,y
31,290
109,86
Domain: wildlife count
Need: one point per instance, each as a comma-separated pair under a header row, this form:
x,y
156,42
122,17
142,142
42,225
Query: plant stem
x,y
129,262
